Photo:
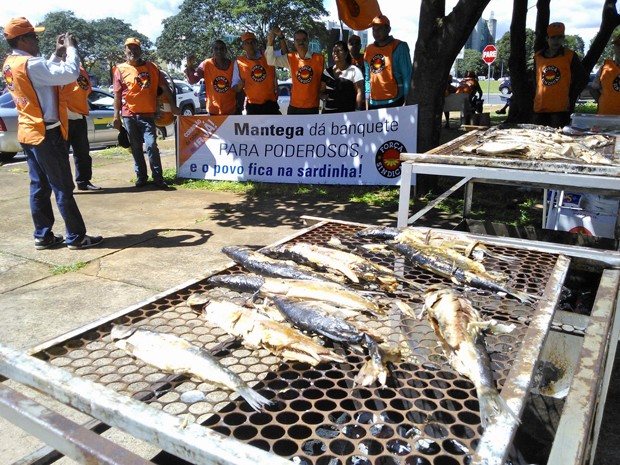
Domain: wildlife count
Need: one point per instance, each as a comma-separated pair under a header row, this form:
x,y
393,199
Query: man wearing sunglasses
x,y
34,84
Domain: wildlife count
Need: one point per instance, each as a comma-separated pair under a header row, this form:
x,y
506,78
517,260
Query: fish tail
x,y
375,368
256,401
493,407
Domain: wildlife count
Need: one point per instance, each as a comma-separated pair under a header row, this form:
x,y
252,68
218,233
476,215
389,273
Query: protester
x,y
306,70
471,86
217,72
345,84
450,89
252,74
606,85
355,49
560,76
76,95
136,84
34,84
388,62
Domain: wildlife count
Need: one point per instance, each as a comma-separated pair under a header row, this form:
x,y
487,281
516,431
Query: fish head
x,y
121,332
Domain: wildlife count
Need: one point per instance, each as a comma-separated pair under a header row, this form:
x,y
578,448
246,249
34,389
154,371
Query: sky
x,y
581,17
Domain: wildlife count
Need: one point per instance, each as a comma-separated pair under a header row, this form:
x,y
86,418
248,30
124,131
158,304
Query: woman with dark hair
x,y
345,83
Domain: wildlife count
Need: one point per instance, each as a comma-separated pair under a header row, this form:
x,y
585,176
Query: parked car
x,y
504,86
585,93
187,100
99,121
202,96
284,95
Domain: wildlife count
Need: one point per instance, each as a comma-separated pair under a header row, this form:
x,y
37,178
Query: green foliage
x,y
63,269
472,61
503,50
200,22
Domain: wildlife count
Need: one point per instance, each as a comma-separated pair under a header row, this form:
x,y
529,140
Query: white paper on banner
x,y
361,148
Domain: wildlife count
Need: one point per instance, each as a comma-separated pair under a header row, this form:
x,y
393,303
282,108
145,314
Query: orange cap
x,y
247,36
132,41
381,19
555,29
20,26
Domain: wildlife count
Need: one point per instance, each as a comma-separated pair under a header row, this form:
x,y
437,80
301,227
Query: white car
x,y
187,98
284,95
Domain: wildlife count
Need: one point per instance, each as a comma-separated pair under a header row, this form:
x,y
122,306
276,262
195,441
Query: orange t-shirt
x,y
77,92
221,99
609,101
553,77
306,73
383,85
260,79
138,85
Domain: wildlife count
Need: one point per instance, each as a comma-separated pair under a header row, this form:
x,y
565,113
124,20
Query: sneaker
x,y
86,242
161,184
47,242
141,182
89,186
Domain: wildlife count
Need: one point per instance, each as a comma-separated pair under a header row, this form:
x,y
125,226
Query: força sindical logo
x,y
377,63
8,77
304,75
387,159
550,75
83,82
221,84
258,73
144,79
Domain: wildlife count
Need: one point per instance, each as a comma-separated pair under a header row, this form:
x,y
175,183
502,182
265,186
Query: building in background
x,y
483,34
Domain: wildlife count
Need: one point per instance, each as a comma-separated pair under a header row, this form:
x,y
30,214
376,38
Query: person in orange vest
x,y
306,70
256,78
76,94
218,75
559,78
34,84
606,85
388,67
136,83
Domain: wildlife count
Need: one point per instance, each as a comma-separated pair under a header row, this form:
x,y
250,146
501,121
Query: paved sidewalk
x,y
154,240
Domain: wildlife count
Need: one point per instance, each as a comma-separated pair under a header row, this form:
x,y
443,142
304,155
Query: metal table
x,y
427,413
446,160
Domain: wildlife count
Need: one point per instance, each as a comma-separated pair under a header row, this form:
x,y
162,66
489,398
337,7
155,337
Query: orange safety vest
x,y
306,72
553,78
383,85
260,79
31,126
77,92
466,86
221,99
609,101
140,84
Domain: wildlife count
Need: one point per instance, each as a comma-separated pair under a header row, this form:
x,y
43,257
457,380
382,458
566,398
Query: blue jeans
x,y
142,130
78,140
49,169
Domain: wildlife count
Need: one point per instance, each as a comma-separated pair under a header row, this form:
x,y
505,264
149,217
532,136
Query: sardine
x,y
258,331
175,355
457,325
262,265
425,258
295,288
310,317
353,266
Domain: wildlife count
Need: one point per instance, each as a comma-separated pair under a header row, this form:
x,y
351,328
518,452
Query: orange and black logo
x,y
221,84
304,75
550,75
144,79
387,159
83,82
258,73
377,63
8,77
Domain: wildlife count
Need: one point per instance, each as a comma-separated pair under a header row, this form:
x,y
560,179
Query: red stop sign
x,y
489,54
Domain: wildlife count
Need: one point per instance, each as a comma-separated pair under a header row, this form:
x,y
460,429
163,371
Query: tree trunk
x,y
610,20
440,38
520,109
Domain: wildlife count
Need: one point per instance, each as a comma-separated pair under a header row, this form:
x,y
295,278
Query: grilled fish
x,y
261,264
258,331
175,355
354,267
457,324
310,317
427,259
295,288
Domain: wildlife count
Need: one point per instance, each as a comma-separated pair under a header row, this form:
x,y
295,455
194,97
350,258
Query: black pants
x,y
302,111
270,107
78,141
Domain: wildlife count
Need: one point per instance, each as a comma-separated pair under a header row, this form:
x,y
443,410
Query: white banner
x,y
360,147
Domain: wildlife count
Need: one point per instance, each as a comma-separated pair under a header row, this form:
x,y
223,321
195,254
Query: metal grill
x,y
427,413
